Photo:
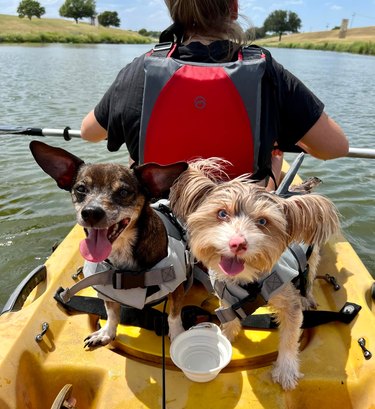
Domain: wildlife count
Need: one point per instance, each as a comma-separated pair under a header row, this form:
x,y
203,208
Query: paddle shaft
x,y
366,153
68,133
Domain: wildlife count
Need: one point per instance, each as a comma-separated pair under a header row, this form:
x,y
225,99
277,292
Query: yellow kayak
x,y
43,362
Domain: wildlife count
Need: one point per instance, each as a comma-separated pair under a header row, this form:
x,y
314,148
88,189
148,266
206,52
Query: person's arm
x,y
91,130
325,139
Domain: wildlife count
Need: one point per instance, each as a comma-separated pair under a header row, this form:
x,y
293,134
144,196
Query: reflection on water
x,y
56,85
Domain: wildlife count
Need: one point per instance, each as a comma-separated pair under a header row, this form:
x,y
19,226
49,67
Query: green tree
x,y
254,33
30,8
78,9
281,21
109,18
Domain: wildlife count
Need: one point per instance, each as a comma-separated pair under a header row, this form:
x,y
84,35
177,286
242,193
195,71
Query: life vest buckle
x,y
121,281
163,46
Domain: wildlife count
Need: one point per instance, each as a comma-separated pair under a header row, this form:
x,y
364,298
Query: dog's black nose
x,y
92,215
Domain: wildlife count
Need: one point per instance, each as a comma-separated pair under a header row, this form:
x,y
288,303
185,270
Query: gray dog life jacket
x,y
244,300
130,287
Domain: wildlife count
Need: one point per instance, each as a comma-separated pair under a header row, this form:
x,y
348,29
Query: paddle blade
x,y
20,130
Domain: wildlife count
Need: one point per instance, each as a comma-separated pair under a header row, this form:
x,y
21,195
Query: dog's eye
x,y
80,189
222,214
123,192
261,222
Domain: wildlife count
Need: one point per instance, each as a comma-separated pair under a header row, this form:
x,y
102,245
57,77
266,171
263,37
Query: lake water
x,y
54,86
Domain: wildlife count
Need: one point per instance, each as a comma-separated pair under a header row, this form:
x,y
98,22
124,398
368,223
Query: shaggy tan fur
x,y
236,219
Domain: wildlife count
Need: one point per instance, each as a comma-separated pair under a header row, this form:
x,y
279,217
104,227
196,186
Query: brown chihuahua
x,y
112,203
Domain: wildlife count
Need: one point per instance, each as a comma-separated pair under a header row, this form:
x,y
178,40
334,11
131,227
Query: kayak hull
x,y
128,373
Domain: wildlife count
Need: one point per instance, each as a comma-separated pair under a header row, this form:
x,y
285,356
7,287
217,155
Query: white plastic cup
x,y
201,352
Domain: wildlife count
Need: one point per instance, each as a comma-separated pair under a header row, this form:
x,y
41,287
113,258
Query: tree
x,y
109,18
255,33
78,9
30,8
281,21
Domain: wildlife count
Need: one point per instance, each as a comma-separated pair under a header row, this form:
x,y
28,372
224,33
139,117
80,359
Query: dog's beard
x,y
97,246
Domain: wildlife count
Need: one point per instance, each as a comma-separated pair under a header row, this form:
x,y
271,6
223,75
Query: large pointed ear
x,y
158,179
56,162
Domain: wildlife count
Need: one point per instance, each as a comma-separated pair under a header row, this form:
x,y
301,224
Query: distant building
x,y
343,28
94,21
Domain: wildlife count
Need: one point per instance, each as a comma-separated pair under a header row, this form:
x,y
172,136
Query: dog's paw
x,y
309,303
231,329
175,327
287,374
99,338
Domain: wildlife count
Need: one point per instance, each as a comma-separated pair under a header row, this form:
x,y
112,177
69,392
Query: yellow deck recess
x,y
128,374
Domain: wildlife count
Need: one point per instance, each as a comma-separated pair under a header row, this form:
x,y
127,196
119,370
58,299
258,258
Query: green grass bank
x,y
357,40
44,30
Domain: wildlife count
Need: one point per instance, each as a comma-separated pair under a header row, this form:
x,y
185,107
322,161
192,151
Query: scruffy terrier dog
x,y
238,230
112,203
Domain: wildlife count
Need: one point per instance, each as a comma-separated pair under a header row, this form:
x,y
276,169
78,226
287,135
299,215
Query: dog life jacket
x,y
243,300
130,287
203,110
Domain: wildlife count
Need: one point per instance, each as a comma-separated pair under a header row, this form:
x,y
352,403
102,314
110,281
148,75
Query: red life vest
x,y
193,110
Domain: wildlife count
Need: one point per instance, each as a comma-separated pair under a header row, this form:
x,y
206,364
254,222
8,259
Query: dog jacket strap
x,y
121,280
242,301
202,276
291,264
300,254
125,280
171,223
99,278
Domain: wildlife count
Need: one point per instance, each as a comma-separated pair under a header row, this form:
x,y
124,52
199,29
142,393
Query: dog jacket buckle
x,y
127,280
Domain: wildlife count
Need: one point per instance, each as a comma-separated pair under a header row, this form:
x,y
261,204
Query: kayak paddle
x,y
67,134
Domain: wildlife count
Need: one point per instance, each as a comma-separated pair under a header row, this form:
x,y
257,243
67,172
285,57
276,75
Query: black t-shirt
x,y
289,109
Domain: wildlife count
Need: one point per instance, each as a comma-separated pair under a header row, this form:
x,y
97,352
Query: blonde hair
x,y
207,18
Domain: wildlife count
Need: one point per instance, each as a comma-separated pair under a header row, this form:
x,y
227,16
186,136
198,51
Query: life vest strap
x,y
121,279
243,300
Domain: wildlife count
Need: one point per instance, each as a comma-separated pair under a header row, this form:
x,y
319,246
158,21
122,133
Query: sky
x,y
316,15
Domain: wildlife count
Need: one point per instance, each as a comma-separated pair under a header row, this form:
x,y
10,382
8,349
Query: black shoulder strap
x,y
173,33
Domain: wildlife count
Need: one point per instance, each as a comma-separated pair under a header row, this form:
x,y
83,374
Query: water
x,y
55,86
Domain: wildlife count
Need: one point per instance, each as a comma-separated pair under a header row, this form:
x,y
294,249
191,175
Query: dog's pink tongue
x,y
95,247
231,265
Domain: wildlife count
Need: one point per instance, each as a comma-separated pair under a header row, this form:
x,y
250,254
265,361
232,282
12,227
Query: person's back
x,y
203,109
289,114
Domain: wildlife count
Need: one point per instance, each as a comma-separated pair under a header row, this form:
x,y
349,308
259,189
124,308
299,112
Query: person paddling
x,y
207,33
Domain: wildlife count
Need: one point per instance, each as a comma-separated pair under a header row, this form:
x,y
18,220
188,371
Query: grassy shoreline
x,y
16,30
357,41
22,30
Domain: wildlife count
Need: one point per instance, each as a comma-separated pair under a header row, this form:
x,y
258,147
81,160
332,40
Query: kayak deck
x,y
128,373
